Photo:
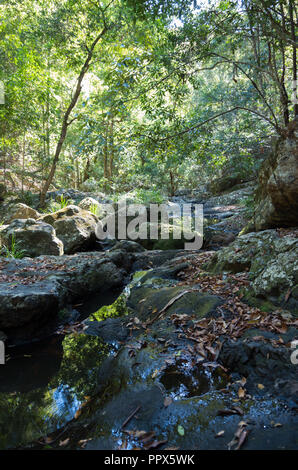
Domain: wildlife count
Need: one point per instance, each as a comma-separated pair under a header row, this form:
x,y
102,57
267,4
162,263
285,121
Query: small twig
x,y
159,314
130,416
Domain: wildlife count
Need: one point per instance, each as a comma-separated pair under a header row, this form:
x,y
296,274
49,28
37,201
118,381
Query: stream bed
x,y
115,384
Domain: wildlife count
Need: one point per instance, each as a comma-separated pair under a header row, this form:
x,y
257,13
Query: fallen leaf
x,y
64,443
167,401
287,295
242,438
155,444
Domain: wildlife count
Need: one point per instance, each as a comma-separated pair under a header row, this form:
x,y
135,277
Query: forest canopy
x,y
117,95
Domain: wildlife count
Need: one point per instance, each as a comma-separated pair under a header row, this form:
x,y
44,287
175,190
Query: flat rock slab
x,y
34,289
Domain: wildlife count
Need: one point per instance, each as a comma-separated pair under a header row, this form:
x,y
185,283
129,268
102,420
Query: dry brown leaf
x,y
64,443
242,438
167,401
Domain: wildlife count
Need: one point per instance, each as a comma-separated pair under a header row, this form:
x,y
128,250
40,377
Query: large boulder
x,y
246,249
277,193
35,237
74,226
91,204
18,211
157,290
271,261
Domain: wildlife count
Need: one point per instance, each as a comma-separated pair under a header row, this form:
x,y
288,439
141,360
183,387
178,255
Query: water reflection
x,y
42,390
43,384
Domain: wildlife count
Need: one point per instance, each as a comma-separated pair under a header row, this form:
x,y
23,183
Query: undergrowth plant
x,y
93,209
14,250
55,206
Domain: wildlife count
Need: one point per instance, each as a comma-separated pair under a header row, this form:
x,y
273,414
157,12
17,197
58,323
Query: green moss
x,y
117,309
263,304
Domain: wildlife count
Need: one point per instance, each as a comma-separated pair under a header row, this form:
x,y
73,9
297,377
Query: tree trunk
x,y
87,171
65,122
112,150
172,183
23,162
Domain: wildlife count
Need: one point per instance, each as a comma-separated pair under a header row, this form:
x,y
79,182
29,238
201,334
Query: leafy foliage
x,y
13,250
175,92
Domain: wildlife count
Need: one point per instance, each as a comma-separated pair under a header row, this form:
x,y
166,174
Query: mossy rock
x,y
146,300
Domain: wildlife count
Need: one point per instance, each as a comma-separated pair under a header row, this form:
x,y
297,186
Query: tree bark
x,y
66,123
294,57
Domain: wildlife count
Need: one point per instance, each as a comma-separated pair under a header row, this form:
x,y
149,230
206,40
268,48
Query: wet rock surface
x,y
155,387
177,361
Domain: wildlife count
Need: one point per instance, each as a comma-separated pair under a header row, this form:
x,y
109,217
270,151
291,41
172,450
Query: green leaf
x,y
180,430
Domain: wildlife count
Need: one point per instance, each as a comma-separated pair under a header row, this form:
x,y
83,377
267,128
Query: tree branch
x,y
197,126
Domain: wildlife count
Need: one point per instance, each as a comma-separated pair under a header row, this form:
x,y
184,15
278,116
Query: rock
x,y
90,185
239,255
281,271
153,365
217,235
154,258
129,246
232,197
22,304
145,299
74,226
277,192
37,289
18,211
261,362
225,183
155,376
90,203
35,237
168,270
169,243
182,192
272,262
76,195
109,330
